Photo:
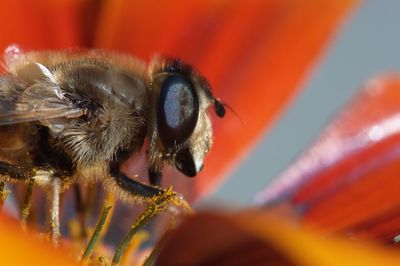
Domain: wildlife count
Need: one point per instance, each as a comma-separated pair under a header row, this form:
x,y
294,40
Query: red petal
x,y
349,180
44,24
257,238
255,54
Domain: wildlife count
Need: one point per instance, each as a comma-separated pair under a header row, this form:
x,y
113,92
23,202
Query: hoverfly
x,y
75,116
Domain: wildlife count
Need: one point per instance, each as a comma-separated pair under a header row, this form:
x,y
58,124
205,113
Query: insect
x,y
75,116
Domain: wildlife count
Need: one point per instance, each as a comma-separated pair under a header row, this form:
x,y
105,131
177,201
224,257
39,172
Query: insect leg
x,y
10,171
42,177
3,193
158,201
15,172
134,188
55,209
104,219
27,203
157,205
155,178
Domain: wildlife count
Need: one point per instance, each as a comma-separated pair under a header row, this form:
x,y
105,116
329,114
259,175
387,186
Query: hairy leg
x,y
135,189
55,210
43,177
15,172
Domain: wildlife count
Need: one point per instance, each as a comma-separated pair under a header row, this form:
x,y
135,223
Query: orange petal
x,y
255,54
19,248
257,238
349,179
45,24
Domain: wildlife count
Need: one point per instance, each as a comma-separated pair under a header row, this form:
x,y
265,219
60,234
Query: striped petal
x,y
348,181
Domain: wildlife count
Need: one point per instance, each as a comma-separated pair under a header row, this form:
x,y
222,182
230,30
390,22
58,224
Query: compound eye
x,y
178,109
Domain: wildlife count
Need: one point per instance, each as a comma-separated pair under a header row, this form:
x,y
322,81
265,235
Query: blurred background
x,y
367,44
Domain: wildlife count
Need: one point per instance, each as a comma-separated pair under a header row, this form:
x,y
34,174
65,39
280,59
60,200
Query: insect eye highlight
x,y
178,109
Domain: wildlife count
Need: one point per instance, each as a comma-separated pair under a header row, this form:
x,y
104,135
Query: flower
x,y
354,165
255,237
254,53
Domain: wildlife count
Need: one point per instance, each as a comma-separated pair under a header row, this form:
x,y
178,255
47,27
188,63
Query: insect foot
x,y
158,204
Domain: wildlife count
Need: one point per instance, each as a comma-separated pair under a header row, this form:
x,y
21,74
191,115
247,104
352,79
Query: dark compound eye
x,y
178,109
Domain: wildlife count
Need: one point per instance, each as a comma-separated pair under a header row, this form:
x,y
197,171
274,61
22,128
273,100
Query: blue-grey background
x,y
366,45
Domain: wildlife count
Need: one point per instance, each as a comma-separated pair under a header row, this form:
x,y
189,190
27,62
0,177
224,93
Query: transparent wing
x,y
40,101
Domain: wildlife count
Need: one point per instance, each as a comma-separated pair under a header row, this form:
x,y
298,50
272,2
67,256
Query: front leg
x,y
158,201
155,178
129,188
